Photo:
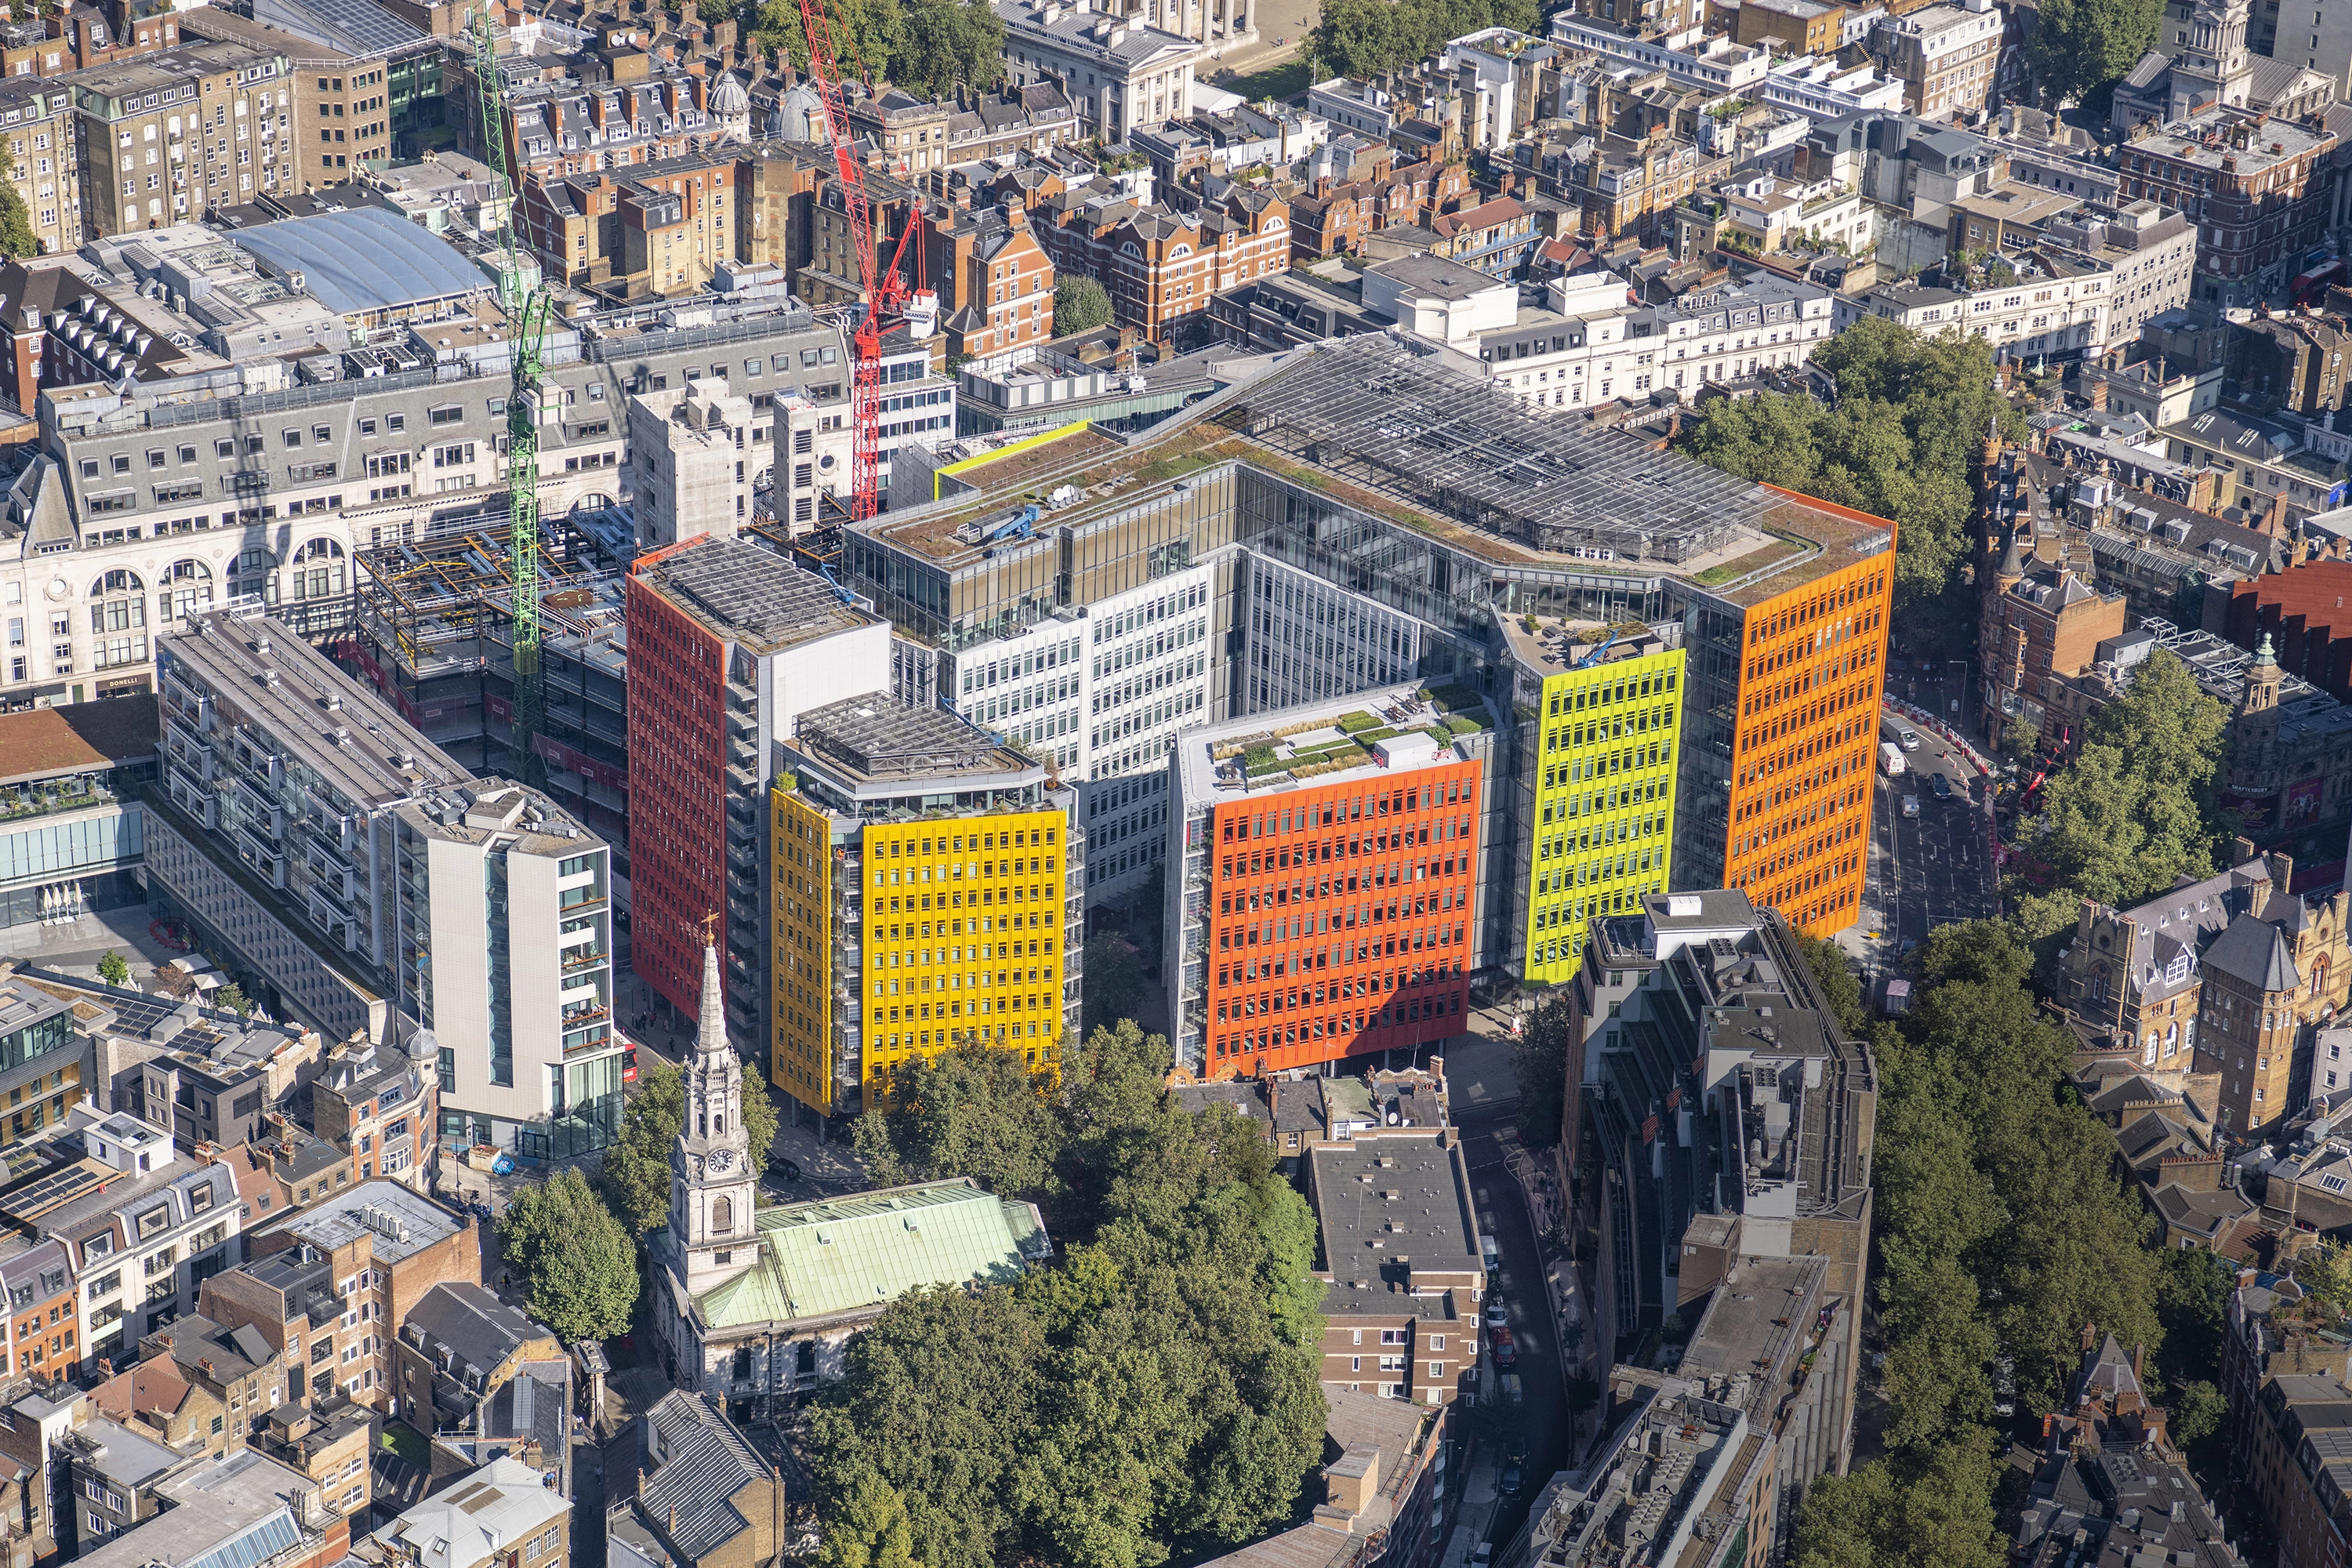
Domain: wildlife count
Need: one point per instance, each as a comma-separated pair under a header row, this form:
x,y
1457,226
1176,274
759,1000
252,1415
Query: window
x,y
447,414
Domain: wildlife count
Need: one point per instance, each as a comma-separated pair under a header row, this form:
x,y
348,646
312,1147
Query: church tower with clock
x,y
713,1175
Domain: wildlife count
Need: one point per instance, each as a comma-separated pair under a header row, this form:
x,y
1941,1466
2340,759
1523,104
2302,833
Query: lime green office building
x,y
1599,713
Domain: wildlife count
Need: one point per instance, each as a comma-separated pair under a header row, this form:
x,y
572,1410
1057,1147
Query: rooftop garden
x,y
1313,748
69,794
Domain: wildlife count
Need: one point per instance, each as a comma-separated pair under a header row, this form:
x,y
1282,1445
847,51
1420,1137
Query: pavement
x,y
75,947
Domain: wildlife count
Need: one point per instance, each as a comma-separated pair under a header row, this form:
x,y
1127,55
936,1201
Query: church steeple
x,y
713,1171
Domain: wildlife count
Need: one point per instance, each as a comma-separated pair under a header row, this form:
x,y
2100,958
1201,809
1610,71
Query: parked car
x,y
1481,1555
1506,1353
789,1170
1499,1316
1514,1394
1941,785
1910,806
1490,1253
1515,1469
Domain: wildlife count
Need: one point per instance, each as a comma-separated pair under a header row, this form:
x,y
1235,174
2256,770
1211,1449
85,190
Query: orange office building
x,y
1802,739
1336,859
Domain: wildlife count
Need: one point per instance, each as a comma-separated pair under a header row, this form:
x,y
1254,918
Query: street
x,y
1485,1098
1933,868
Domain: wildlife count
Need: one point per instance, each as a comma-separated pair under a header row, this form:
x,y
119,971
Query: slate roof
x,y
530,1406
477,1328
839,1254
2255,951
703,1463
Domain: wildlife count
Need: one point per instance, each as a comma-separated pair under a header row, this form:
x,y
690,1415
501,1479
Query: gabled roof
x,y
477,1328
700,1463
844,1255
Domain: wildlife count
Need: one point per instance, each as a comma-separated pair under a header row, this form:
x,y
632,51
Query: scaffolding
x,y
1403,421
433,629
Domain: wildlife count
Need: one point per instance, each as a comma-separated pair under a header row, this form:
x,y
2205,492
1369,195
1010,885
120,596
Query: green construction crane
x,y
527,307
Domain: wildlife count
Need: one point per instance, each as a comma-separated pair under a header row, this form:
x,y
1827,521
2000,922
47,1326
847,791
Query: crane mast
x,y
886,288
527,307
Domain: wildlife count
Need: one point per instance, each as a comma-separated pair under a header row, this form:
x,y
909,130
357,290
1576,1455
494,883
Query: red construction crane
x,y
885,288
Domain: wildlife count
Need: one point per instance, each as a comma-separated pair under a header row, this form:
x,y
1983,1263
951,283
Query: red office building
x,y
727,644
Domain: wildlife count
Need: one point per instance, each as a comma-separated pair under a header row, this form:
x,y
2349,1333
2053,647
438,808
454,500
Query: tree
x,y
2079,47
1838,983
581,1263
1358,38
2022,738
946,42
1539,1063
232,999
16,239
1114,974
1081,305
2325,1273
112,969
2197,1413
2192,1302
1931,1512
974,1110
1152,1394
636,1177
867,34
1902,443
2139,808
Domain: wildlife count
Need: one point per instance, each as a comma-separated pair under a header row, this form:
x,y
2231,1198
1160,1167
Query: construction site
x,y
433,629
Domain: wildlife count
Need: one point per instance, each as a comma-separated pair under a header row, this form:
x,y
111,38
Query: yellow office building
x,y
1599,713
926,887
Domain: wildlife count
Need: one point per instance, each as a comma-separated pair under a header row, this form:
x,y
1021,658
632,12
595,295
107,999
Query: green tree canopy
x,y
635,1176
944,42
1081,305
975,1110
2002,1229
1903,441
16,240
1924,1511
1358,38
114,968
2138,807
1152,1394
2078,47
581,1263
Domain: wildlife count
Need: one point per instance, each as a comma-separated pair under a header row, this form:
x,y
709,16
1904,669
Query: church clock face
x,y
720,1160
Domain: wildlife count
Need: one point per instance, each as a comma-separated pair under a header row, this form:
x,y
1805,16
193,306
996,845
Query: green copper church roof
x,y
838,1255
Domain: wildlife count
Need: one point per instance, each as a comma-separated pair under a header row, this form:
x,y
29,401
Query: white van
x,y
1890,758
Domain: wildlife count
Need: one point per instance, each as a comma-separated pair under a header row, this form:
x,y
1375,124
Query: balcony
x,y
583,960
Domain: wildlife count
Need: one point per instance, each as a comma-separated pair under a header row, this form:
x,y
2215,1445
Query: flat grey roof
x,y
363,260
1436,275
272,673
1399,418
882,740
753,596
405,1223
1426,1225
123,1454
